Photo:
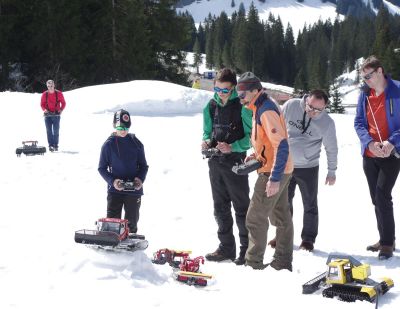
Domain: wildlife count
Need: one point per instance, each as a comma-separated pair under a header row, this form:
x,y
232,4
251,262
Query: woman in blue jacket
x,y
122,159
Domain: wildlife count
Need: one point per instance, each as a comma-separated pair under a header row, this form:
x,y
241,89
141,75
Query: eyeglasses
x,y
242,94
369,75
121,129
223,90
314,109
48,86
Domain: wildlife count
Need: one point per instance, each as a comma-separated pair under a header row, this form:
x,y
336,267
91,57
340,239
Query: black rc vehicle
x,y
30,148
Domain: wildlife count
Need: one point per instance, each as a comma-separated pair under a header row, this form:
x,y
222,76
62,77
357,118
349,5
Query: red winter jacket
x,y
48,101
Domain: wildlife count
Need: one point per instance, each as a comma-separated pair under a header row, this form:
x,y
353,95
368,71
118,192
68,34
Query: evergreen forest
x,y
314,59
80,43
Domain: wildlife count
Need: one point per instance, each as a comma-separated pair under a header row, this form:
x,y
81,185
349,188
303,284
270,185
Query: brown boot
x,y
377,246
385,253
272,243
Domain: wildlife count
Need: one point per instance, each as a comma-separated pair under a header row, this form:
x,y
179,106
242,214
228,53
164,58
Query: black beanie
x,y
248,81
122,119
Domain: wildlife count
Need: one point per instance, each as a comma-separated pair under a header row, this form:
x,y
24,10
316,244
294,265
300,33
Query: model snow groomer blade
x,y
112,234
30,148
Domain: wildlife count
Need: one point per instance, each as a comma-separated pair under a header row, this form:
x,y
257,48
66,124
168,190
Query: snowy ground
x,y
47,198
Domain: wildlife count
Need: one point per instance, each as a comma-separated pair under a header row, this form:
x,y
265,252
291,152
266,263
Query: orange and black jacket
x,y
269,137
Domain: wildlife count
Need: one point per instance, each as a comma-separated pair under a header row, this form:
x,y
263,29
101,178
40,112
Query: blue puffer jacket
x,y
392,106
122,158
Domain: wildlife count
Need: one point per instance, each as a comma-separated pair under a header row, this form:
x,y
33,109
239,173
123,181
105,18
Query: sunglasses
x,y
314,109
121,129
223,90
369,75
241,94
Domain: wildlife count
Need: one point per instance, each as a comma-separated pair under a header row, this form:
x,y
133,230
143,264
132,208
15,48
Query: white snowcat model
x,y
112,234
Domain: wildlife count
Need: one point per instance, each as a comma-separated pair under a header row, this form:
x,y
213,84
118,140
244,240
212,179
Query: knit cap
x,y
122,119
248,81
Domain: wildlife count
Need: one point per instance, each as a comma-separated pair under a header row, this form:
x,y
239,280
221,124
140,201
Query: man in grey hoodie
x,y
309,126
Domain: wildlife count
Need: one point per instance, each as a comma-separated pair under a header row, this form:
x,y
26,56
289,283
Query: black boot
x,y
240,260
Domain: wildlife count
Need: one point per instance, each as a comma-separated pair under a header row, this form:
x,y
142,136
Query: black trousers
x,y
381,177
307,180
229,189
131,205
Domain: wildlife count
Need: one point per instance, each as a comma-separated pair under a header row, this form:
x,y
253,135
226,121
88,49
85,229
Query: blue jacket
x,y
122,158
392,107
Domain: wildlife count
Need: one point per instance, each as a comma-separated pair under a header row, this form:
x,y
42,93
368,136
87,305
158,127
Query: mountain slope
x,y
307,12
290,11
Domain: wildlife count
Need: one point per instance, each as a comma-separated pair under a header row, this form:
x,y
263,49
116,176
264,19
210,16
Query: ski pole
x,y
394,151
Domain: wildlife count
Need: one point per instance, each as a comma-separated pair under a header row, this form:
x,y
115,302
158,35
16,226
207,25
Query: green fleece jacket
x,y
241,145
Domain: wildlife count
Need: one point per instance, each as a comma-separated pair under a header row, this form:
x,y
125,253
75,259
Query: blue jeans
x,y
52,127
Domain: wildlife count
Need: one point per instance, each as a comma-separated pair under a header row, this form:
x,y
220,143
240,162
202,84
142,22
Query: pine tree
x,y
226,56
276,59
289,68
222,34
240,48
168,36
336,104
192,29
210,33
197,56
255,38
201,36
382,30
391,61
233,3
8,52
300,82
242,10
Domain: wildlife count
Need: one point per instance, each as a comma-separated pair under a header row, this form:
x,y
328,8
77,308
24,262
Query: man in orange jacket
x,y
270,197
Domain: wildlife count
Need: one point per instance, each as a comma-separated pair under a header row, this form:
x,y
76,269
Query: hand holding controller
x,y
246,167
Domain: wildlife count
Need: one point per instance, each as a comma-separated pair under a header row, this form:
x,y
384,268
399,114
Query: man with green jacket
x,y
226,131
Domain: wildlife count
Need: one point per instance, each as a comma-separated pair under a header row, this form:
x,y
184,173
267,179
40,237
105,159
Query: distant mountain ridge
x,y
343,7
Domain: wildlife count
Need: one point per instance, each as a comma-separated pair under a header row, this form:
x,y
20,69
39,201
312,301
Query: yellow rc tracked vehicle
x,y
348,279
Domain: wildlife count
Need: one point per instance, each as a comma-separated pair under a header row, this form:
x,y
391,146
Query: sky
x,y
45,199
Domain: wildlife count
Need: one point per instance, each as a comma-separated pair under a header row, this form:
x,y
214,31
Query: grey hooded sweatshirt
x,y
305,145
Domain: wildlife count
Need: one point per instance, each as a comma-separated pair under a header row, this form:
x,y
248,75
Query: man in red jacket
x,y
52,104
